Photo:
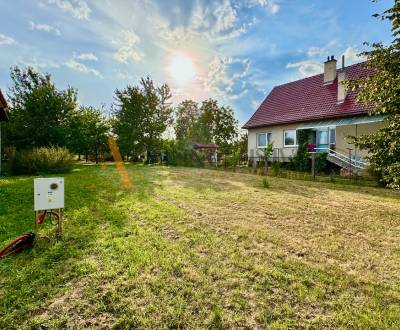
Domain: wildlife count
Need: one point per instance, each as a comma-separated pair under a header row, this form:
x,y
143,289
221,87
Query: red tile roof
x,y
205,146
308,99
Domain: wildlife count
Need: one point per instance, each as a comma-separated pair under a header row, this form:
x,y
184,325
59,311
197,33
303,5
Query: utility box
x,y
49,193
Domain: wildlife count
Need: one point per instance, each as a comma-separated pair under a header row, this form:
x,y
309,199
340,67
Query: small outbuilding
x,y
210,149
3,118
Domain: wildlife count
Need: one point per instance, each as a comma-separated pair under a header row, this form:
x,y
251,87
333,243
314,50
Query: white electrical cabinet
x,y
49,193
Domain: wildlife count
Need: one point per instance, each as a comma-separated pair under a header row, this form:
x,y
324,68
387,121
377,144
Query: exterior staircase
x,y
352,165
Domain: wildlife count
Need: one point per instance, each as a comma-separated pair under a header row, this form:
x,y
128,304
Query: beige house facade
x,y
321,105
338,137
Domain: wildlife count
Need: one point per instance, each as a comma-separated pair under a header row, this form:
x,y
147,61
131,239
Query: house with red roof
x,y
320,104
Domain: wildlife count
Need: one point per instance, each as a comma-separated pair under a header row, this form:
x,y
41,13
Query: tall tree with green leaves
x,y
39,112
382,90
187,114
215,124
88,133
142,114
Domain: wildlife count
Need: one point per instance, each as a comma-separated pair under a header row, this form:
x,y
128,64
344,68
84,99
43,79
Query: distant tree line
x,y
42,115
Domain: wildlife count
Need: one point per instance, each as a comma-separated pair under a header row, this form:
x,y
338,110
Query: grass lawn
x,y
192,248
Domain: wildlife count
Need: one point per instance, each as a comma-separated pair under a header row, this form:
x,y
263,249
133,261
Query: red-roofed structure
x,y
308,99
322,104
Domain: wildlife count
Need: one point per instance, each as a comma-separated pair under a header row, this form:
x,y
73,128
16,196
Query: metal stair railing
x,y
355,163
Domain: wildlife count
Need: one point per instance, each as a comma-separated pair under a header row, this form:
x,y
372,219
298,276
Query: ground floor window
x,y
289,137
332,136
263,139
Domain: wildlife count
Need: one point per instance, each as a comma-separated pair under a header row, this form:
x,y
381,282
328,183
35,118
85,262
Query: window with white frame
x,y
289,137
263,140
332,135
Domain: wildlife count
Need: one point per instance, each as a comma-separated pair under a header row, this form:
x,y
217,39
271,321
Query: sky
x,y
235,51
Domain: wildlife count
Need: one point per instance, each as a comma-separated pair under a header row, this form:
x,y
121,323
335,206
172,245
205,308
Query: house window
x,y
263,139
290,137
332,135
322,137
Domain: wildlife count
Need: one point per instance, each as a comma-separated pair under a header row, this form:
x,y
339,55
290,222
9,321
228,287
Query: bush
x,y
276,168
301,161
39,160
265,183
321,163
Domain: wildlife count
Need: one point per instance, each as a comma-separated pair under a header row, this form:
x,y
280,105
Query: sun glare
x,y
182,69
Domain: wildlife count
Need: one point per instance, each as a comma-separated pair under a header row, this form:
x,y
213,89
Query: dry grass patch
x,y
193,248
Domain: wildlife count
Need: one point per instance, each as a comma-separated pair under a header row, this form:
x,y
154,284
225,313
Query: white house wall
x,y
283,153
277,139
343,132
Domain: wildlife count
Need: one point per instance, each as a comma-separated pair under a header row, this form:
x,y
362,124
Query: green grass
x,y
196,248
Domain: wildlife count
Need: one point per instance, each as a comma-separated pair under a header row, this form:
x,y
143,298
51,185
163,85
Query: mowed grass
x,y
194,248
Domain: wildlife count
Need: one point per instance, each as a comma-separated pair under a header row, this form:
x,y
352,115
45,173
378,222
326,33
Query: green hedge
x,y
39,160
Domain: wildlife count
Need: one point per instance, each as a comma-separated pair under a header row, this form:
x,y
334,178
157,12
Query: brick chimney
x,y
342,90
330,70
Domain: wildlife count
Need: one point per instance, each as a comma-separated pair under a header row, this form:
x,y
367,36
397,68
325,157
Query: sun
x,y
182,69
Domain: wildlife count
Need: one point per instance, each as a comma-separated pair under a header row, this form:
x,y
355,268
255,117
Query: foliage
x,y
267,152
39,160
242,142
382,90
39,112
321,163
187,115
142,114
215,124
265,183
301,161
89,132
179,153
232,160
276,168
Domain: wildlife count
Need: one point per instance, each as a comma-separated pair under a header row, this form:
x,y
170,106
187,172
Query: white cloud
x,y
307,68
271,5
352,56
217,22
6,40
225,16
226,76
77,66
127,41
317,51
86,57
255,104
38,64
78,8
45,27
125,75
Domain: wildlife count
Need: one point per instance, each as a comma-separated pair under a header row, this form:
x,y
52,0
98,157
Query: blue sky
x,y
237,49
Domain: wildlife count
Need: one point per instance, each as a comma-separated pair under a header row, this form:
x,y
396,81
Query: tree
x,y
142,114
187,114
382,90
243,142
39,112
88,132
215,125
267,155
